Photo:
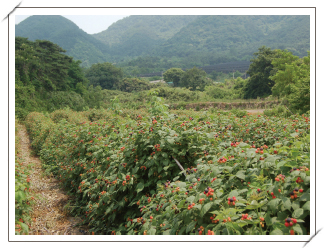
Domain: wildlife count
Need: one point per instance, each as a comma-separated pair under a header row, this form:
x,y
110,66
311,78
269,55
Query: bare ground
x,y
255,111
48,216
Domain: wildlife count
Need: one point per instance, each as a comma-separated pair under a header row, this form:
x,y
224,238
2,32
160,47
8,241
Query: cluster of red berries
x,y
178,189
197,128
231,201
157,146
280,177
294,193
212,218
299,180
209,191
191,205
222,160
245,217
273,196
210,232
259,150
234,144
200,230
154,121
290,222
167,183
201,200
302,168
143,167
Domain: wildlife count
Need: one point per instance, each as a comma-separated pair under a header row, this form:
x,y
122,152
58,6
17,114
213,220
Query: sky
x,y
91,24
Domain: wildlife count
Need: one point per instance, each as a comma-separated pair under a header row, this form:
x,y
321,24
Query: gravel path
x,y
49,216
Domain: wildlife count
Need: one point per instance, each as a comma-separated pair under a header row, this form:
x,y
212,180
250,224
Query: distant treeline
x,y
221,67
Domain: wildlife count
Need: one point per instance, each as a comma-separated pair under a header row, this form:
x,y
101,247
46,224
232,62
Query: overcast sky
x,y
90,24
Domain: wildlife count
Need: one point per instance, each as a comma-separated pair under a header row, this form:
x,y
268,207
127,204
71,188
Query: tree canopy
x,y
259,83
173,75
105,75
194,78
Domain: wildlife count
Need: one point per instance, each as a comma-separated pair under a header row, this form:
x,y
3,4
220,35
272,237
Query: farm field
x,y
158,172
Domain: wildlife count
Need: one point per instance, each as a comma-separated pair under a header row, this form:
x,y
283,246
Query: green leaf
x,y
190,226
191,199
139,187
241,174
24,227
298,229
151,231
205,208
307,206
297,213
286,204
273,204
276,231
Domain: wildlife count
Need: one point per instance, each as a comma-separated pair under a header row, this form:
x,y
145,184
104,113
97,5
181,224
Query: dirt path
x,y
255,111
48,216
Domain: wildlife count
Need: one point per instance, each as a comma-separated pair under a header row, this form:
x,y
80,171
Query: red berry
x,y
292,232
287,224
300,190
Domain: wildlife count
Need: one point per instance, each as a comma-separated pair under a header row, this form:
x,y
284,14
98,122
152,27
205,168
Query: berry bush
x,y
181,173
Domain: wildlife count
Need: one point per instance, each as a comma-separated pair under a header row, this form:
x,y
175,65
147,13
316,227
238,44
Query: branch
x,y
179,165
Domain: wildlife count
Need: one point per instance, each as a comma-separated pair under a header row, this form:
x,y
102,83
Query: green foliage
x,y
173,75
259,83
133,85
148,43
194,79
23,197
45,78
65,99
60,30
105,75
123,173
292,80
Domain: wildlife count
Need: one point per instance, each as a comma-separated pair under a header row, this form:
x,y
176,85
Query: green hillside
x,y
59,30
143,44
220,38
137,35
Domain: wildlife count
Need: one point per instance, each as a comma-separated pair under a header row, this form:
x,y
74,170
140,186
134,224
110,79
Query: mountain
x,y
65,33
143,44
238,36
137,35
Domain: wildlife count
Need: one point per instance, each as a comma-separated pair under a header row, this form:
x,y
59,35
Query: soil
x,y
49,217
255,111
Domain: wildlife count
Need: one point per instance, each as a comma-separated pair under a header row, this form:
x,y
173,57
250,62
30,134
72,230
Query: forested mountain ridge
x,y
139,35
143,44
65,33
238,37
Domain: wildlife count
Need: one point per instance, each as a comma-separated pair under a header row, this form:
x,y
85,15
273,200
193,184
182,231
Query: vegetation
x,y
63,32
136,162
23,198
144,44
238,175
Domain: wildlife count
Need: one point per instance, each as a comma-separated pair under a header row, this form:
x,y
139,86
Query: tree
x,y
173,75
259,83
105,75
292,80
132,85
194,78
